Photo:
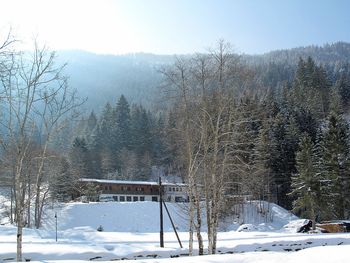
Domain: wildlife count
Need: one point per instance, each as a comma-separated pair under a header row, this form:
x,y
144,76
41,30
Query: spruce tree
x,y
81,159
335,172
305,183
342,86
261,162
122,124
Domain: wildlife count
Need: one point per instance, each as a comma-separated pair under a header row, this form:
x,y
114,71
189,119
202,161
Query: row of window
x,y
174,189
126,188
131,198
177,199
141,189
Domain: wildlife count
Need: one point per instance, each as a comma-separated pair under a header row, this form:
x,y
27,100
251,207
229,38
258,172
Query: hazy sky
x,y
177,26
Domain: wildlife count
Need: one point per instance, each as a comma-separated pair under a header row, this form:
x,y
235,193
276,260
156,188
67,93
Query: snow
x,y
117,181
131,233
128,182
137,217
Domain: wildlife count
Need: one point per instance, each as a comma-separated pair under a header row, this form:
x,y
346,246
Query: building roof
x,y
105,181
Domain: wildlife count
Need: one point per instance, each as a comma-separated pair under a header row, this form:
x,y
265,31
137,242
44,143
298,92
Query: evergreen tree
x,y
285,139
305,183
335,172
311,88
91,122
122,124
62,183
103,144
342,86
80,159
262,173
140,131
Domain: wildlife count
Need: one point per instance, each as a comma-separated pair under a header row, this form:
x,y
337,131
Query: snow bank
x,y
115,217
258,216
144,217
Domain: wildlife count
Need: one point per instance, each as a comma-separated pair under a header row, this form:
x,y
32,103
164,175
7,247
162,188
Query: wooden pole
x,y
172,223
161,213
56,224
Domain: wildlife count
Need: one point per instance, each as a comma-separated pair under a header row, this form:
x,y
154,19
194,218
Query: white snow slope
x,y
131,233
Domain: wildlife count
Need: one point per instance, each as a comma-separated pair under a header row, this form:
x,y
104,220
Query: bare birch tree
x,y
204,88
36,104
179,88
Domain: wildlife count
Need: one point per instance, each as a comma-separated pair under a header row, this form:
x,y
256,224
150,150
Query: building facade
x,y
133,191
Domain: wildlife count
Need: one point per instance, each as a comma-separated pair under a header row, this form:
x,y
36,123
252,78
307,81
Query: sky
x,y
176,26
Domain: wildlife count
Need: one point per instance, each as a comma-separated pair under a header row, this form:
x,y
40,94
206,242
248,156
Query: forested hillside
x,y
104,78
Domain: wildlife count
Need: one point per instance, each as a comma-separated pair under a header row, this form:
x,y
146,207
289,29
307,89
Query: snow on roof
x,y
127,182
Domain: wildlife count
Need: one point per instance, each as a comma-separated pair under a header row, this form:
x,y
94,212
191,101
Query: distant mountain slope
x,y
328,53
103,78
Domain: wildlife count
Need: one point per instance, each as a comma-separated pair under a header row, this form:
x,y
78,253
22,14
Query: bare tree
x,y
37,104
179,88
204,88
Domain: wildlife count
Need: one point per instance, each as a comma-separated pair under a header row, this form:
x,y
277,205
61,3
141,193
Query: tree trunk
x,y
29,193
190,241
19,192
19,240
199,224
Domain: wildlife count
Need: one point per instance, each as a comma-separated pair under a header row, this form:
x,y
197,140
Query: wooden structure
x,y
335,226
134,191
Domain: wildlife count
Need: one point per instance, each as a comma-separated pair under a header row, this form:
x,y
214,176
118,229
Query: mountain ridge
x,y
103,78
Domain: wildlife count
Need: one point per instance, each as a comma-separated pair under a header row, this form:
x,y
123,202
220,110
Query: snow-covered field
x,y
130,233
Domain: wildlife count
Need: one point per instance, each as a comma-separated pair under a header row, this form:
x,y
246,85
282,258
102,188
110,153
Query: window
x,y
142,198
115,197
173,189
135,198
122,198
154,198
169,189
106,187
128,198
142,189
110,188
124,188
178,199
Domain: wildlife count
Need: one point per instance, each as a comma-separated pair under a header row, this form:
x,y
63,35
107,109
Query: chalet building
x,y
134,191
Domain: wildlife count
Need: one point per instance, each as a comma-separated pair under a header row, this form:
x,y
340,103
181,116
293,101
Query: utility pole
x,y
56,224
161,212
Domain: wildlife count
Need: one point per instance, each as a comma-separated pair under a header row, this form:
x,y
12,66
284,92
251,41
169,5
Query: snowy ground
x,y
130,232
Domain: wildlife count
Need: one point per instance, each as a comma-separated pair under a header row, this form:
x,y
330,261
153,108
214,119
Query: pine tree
x,y
122,124
342,86
261,161
103,144
61,184
80,159
335,172
305,183
311,88
285,135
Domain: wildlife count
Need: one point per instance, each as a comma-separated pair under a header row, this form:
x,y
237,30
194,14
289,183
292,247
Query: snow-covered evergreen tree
x,y
305,183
